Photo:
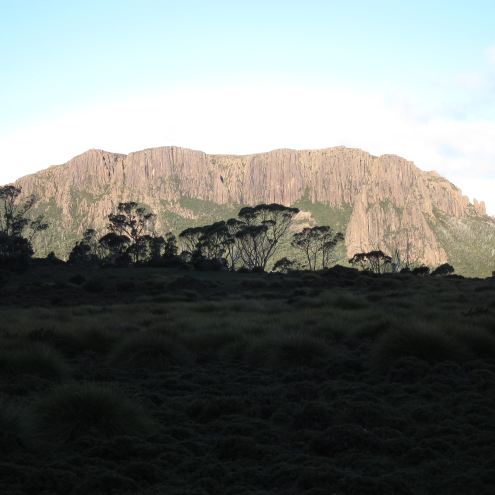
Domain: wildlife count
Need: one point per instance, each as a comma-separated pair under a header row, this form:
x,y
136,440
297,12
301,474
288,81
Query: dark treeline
x,y
248,242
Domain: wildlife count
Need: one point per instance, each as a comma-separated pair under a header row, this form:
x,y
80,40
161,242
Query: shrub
x,y
75,411
36,360
148,350
428,344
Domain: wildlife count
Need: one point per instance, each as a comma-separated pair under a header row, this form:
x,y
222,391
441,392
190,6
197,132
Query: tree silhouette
x,y
444,269
317,244
115,247
373,261
131,221
261,229
87,250
284,265
17,229
189,239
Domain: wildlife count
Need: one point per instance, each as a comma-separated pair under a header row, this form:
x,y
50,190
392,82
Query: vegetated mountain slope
x,y
381,202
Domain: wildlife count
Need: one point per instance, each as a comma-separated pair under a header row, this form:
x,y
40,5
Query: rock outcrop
x,y
390,200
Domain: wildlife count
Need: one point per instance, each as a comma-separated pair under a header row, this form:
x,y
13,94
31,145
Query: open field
x,y
152,381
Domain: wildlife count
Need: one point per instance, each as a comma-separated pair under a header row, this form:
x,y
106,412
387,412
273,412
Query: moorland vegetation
x,y
139,366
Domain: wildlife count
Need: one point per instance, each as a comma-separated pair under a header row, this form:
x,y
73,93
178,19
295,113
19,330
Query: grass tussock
x,y
33,359
478,341
12,434
349,302
73,342
74,411
148,350
422,342
213,344
291,349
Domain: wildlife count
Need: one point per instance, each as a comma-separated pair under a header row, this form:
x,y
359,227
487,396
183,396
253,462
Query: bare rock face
x,y
386,195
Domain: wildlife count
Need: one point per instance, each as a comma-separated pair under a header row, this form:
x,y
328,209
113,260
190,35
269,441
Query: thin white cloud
x,y
253,118
490,53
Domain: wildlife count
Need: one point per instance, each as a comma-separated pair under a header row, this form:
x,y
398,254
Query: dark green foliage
x,y
36,360
148,350
72,412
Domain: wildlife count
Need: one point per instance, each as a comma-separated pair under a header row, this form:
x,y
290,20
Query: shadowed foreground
x,y
158,381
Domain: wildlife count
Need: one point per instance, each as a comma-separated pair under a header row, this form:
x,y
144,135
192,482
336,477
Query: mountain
x,y
379,202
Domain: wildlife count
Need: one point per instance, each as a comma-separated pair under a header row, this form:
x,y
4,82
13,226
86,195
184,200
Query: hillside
x,y
381,202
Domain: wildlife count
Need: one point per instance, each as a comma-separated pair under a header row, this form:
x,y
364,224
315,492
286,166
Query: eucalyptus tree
x,y
132,221
317,245
261,229
17,228
373,261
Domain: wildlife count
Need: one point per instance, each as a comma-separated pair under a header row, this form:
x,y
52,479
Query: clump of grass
x,y
65,341
77,279
349,302
148,350
422,342
71,342
37,360
372,327
477,340
105,482
211,344
95,285
291,349
11,430
74,411
97,340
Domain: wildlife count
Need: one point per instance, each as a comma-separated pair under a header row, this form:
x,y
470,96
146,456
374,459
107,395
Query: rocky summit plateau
x,y
383,202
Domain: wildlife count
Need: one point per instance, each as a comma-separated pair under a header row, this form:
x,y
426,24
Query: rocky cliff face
x,y
385,201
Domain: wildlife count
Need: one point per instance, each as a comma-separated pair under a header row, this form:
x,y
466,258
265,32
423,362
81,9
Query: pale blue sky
x,y
428,66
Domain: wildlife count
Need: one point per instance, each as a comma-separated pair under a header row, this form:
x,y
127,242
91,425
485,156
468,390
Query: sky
x,y
416,79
